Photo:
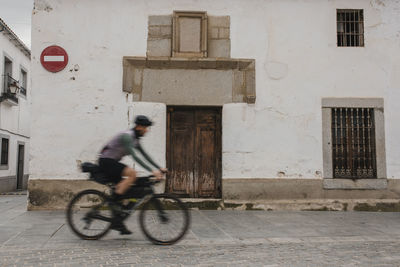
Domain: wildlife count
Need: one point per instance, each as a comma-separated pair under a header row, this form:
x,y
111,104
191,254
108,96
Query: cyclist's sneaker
x,y
119,226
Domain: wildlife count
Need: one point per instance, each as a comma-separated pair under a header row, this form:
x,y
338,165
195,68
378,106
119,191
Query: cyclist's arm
x,y
147,157
127,141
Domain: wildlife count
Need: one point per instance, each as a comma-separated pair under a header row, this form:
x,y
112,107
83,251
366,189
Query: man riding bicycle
x,y
126,143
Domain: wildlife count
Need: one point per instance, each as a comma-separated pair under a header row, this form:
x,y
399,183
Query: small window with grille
x,y
4,151
350,27
353,143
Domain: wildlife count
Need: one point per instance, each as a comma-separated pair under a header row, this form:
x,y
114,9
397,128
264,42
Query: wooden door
x,y
194,151
20,166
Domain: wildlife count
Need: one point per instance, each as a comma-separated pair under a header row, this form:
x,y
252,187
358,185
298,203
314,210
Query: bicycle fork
x,y
161,213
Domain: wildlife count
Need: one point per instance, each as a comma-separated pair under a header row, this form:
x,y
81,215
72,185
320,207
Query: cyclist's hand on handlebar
x,y
158,175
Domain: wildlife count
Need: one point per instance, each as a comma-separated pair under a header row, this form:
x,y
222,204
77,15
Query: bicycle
x,y
95,210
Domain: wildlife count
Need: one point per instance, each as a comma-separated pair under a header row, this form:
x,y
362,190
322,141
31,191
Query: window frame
x,y
23,69
4,166
361,30
3,74
176,33
345,183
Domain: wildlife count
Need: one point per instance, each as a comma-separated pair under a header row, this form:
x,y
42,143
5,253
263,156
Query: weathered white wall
x,y
297,63
15,120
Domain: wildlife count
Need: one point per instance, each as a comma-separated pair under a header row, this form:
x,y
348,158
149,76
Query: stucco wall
x,y
14,120
297,64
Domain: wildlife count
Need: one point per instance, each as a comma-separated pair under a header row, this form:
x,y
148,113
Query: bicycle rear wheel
x,y
89,215
164,219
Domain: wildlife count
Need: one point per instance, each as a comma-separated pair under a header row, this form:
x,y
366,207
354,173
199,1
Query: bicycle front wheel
x,y
164,219
89,215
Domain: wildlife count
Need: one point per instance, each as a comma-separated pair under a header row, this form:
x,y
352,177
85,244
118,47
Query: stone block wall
x,y
159,38
219,43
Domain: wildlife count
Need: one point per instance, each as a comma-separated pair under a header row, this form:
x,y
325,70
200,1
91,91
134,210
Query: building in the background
x,y
14,110
252,100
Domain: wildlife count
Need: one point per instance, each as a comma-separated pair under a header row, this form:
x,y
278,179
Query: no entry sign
x,y
54,58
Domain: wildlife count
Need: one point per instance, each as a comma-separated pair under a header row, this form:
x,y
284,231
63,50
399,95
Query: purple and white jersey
x,y
116,149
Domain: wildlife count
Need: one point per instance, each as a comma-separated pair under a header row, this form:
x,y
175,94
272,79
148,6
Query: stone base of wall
x,y
9,183
49,194
243,194
390,205
54,194
284,189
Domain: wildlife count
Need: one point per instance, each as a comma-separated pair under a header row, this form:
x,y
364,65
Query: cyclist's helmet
x,y
143,120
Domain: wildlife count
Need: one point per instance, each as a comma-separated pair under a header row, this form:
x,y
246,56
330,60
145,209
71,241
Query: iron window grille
x,y
4,151
350,27
353,143
7,94
22,90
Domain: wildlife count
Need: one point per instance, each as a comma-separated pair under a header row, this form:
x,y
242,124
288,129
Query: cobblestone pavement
x,y
216,238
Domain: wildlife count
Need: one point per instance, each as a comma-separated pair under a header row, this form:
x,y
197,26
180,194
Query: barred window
x,y
353,143
4,151
350,27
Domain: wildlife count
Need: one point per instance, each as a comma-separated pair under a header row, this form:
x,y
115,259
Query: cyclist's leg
x,y
115,171
126,183
121,188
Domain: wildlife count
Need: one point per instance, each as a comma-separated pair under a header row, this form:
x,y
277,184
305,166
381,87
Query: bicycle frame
x,y
131,210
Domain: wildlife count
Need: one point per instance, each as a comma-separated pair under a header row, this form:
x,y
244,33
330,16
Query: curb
x,y
17,193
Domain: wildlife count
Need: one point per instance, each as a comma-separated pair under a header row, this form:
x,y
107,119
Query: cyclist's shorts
x,y
112,168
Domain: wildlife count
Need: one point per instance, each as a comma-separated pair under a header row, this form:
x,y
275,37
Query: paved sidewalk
x,y
216,238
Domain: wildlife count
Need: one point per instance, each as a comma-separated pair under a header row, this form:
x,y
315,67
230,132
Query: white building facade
x,y
266,99
14,111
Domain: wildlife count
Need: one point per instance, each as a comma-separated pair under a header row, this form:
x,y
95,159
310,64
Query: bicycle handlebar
x,y
146,180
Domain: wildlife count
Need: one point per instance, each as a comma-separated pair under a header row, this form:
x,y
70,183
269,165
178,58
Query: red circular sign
x,y
54,58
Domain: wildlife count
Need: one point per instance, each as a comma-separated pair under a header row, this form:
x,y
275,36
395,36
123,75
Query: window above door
x,y
189,37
